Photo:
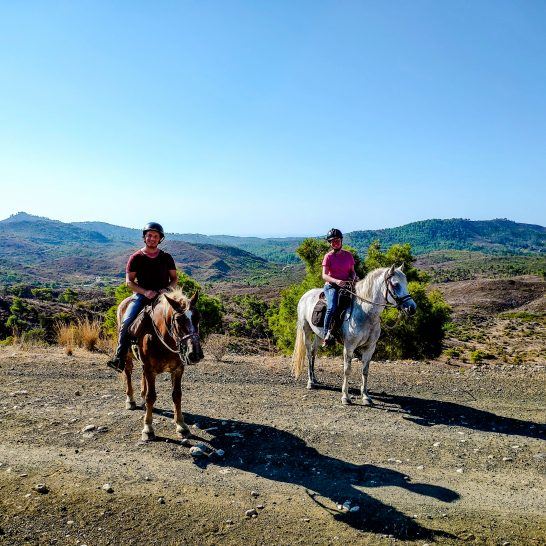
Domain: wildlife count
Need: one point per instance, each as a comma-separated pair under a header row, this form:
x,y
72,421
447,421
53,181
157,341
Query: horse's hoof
x,y
312,385
148,436
367,402
346,401
130,405
182,431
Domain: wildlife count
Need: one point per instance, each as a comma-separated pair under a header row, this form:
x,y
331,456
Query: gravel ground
x,y
446,454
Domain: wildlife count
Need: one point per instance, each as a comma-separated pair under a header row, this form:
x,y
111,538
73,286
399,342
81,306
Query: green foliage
x,y
417,337
459,265
34,335
20,315
20,290
110,322
44,294
7,341
69,296
210,307
498,236
478,356
524,316
251,321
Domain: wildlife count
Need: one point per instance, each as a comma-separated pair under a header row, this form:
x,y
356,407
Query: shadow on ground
x,y
283,457
425,412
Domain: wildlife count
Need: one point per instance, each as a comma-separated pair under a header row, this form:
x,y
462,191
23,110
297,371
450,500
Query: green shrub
x,y
20,315
34,335
452,353
44,294
7,341
251,317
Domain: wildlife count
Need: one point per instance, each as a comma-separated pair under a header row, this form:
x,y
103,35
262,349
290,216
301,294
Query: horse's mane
x,y
179,296
364,288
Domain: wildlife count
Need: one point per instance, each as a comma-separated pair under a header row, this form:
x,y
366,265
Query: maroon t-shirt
x,y
151,273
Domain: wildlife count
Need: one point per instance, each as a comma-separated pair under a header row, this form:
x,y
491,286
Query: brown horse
x,y
169,341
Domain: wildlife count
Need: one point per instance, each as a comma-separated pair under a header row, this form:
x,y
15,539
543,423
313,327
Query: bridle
x,y
181,347
389,291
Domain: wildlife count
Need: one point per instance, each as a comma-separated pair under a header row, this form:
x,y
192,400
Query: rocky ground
x,y
447,454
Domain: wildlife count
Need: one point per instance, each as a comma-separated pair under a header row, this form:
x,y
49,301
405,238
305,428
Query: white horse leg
x,y
366,357
311,343
347,358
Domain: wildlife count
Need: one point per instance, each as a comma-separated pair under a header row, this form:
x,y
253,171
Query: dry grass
x,y
216,345
84,333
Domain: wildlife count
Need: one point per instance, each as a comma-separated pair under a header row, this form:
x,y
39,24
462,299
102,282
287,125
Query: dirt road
x,y
446,455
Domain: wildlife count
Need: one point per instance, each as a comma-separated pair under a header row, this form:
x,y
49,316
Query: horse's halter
x,y
181,347
390,291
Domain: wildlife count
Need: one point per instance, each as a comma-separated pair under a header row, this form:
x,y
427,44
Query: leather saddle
x,y
343,306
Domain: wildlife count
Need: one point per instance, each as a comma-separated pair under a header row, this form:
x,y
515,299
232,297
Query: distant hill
x,y
44,250
499,236
39,250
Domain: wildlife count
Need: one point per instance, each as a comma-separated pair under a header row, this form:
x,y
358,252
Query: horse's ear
x,y
193,299
391,270
401,268
174,304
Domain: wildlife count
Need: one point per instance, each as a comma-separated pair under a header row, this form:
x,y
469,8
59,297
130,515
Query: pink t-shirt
x,y
339,264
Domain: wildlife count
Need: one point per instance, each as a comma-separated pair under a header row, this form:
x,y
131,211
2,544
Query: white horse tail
x,y
298,356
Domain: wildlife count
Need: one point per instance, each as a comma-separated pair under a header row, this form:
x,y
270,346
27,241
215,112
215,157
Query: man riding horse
x,y
338,270
149,272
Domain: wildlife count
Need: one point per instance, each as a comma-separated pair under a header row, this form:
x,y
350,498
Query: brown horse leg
x,y
149,381
181,427
130,400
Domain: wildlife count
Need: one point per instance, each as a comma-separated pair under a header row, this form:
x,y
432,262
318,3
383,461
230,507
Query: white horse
x,y
383,287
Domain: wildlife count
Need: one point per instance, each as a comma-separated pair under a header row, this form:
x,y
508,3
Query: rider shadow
x,y
426,412
283,457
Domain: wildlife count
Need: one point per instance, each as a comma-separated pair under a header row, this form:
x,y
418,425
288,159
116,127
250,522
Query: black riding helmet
x,y
153,226
334,233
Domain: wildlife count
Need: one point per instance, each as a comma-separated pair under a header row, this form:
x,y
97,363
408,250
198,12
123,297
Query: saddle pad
x,y
319,312
138,326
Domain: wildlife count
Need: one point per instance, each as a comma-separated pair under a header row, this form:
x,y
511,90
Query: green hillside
x,y
490,236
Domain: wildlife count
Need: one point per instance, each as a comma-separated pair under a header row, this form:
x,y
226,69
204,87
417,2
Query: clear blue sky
x,y
273,117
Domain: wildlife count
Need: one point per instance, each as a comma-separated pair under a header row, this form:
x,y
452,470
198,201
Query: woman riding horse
x,y
338,269
149,272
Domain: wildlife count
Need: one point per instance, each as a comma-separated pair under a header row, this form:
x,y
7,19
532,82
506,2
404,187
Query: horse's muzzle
x,y
195,353
409,307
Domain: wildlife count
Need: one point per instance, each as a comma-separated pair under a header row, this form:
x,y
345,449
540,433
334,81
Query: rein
x,y
388,292
181,350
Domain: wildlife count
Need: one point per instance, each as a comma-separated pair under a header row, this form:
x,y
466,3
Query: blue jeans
x,y
138,302
331,292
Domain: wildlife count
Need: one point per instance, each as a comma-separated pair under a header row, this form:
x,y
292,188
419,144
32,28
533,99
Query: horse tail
x,y
298,356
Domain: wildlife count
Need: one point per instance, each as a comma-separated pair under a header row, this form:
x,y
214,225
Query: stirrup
x,y
116,364
328,340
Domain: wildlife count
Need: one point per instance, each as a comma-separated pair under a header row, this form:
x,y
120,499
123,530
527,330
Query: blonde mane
x,y
364,288
179,296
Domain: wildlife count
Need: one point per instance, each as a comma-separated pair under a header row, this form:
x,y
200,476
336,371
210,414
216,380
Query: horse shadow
x,y
427,413
284,457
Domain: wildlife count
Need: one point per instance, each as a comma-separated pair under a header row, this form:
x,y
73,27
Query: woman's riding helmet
x,y
153,226
334,233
